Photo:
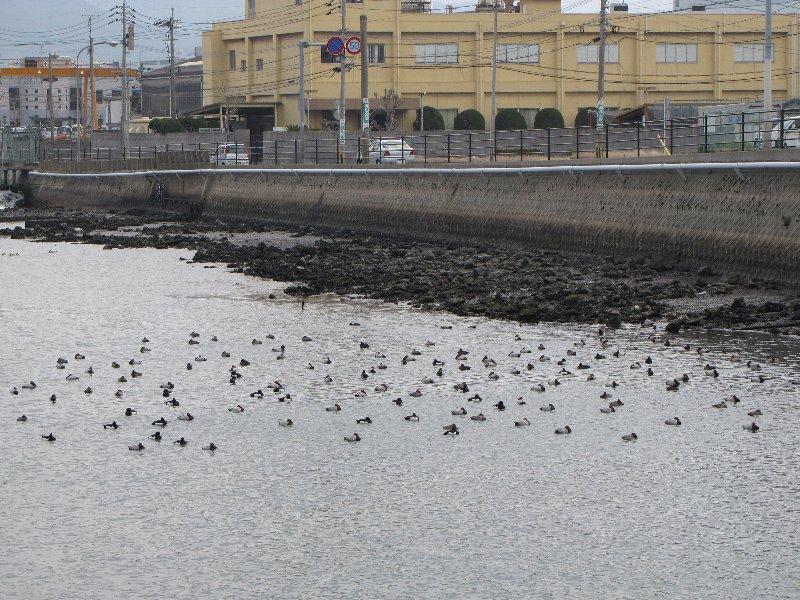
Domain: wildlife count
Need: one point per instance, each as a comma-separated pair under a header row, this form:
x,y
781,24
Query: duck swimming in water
x,y
334,408
156,436
451,429
49,437
412,417
630,437
14,391
186,417
129,411
547,408
237,409
72,377
608,410
539,388
398,401
137,447
112,425
752,427
162,422
352,438
22,419
415,394
616,403
181,442
286,423
524,423
360,394
478,417
53,398
566,430
500,405
459,412
210,447
29,386
364,420
755,413
673,421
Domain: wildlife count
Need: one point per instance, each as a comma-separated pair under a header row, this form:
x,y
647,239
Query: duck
x,y
616,403
135,374
244,363
14,391
327,360
539,388
200,358
427,380
285,422
459,411
49,437
133,362
734,399
352,438
115,365
547,408
210,447
129,411
500,405
415,394
72,377
475,398
145,341
398,401
630,437
194,334
755,413
167,386
360,394
722,404
225,354
256,342
590,377
29,386
162,422
257,394
287,398
554,382
53,398
90,371
524,423
364,420
328,379
451,429
461,387
79,356
381,366
181,442
381,388
334,408
608,410
478,417
672,386
156,436
412,417
673,421
186,417
189,366
438,363
752,427
144,349
521,401
22,419
112,425
122,379
166,393
605,396
237,409
61,361
137,447
566,430
118,394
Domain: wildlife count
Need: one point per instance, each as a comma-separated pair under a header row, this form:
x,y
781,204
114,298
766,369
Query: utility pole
x,y
50,107
342,107
768,75
170,24
363,146
301,100
601,68
92,87
493,109
127,44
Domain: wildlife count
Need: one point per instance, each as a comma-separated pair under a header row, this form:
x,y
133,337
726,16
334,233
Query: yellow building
x,y
546,58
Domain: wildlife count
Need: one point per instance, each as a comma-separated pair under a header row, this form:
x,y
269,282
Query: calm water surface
x,y
702,510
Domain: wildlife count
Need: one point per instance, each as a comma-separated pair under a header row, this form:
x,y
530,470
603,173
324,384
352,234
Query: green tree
x,y
470,120
585,117
433,119
164,126
509,118
548,118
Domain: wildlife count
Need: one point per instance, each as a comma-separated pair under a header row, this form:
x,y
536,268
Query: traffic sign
x,y
335,46
354,45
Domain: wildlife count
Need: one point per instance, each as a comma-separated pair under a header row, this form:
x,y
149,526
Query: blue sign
x,y
335,46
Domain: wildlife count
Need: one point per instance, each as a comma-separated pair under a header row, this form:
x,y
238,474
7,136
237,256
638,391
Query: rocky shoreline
x,y
523,285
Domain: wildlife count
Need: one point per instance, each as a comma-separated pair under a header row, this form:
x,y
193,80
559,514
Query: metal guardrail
x,y
680,169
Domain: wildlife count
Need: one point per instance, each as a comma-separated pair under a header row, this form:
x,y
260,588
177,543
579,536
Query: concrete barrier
x,y
741,216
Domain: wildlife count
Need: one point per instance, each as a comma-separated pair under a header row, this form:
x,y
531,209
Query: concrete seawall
x,y
744,217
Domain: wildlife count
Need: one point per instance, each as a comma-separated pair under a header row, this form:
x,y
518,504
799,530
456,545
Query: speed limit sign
x,y
354,45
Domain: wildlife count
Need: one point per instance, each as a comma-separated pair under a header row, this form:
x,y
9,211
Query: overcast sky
x,y
44,25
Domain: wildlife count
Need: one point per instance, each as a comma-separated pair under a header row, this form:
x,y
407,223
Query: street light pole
x,y
493,109
768,75
342,107
601,68
92,90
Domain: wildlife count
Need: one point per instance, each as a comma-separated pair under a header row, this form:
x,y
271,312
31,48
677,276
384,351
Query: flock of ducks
x,y
484,369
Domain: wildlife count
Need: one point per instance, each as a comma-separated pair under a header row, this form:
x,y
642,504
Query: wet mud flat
x,y
525,285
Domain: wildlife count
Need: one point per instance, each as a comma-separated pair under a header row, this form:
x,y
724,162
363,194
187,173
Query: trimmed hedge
x,y
433,119
548,118
509,118
469,120
585,117
182,125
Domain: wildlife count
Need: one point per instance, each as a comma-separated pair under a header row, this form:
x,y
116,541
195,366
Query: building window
x,y
232,60
530,115
676,53
518,53
251,9
436,54
259,64
243,66
448,116
590,53
745,53
327,57
376,53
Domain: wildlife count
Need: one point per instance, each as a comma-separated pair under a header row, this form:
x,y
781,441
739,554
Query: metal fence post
x,y
295,151
338,153
316,150
521,145
549,145
638,138
425,148
448,147
672,136
742,130
705,133
469,135
780,137
276,151
606,140
494,143
402,149
577,142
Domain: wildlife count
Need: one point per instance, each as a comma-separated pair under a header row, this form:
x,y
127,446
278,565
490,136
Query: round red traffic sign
x,y
335,45
354,45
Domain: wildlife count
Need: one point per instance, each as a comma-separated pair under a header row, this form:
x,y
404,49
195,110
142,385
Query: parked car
x,y
791,132
227,155
391,152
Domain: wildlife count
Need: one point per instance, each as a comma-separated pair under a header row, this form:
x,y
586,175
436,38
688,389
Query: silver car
x,y
391,152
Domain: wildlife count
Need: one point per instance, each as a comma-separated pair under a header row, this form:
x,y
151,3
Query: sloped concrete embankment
x,y
744,221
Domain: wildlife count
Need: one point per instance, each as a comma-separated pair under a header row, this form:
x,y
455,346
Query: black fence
x,y
717,132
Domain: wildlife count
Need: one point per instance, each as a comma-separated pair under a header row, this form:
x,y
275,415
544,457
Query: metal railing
x,y
719,132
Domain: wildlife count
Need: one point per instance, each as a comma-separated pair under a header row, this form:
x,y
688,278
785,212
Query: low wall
x,y
742,218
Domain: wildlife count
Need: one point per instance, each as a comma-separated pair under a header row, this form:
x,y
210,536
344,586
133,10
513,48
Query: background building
x,y
188,89
731,6
24,89
546,59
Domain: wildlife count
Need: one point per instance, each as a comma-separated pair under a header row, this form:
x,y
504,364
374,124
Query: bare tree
x,y
391,103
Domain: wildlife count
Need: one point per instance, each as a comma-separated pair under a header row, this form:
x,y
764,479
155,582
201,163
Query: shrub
x,y
470,120
193,123
548,118
509,118
585,117
433,119
164,126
